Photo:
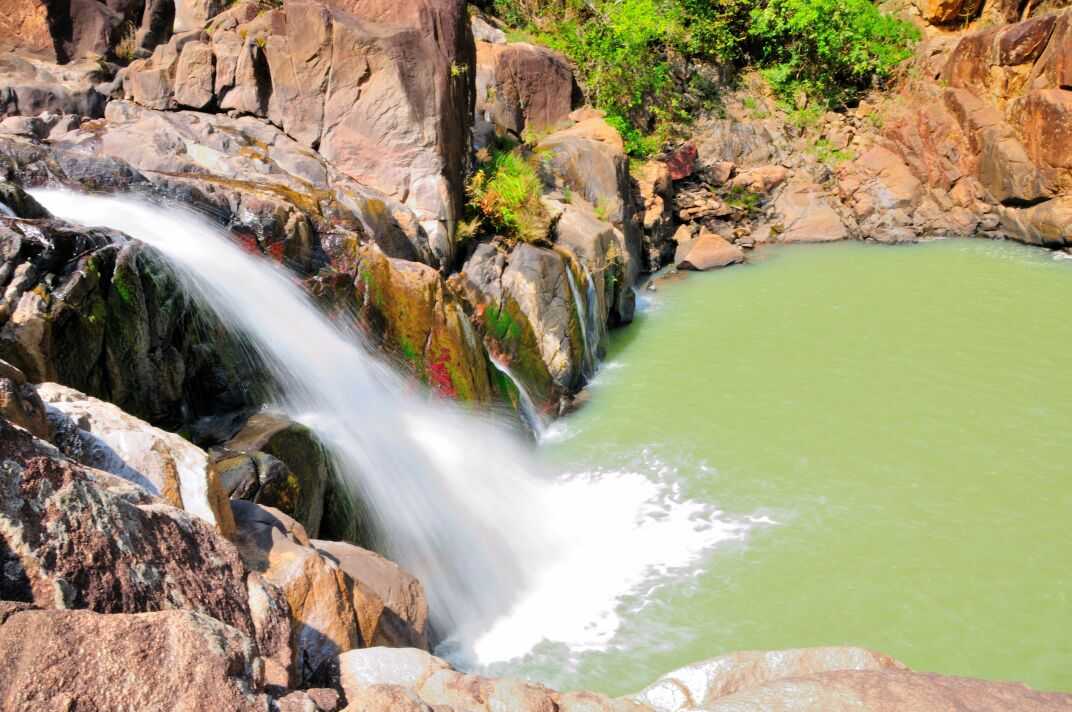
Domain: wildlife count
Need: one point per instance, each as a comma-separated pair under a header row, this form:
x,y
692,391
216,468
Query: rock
x,y
404,623
413,315
707,251
195,75
1044,119
1048,223
404,667
193,14
761,179
29,86
331,612
485,32
521,86
655,191
96,312
682,162
160,660
889,690
807,215
307,467
102,436
77,538
702,684
940,12
270,612
20,404
24,28
19,203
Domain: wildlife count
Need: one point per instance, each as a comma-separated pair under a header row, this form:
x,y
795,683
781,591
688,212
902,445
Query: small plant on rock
x,y
505,194
127,47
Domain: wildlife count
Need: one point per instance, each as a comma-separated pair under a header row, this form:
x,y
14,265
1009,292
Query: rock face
x,y
102,436
521,86
401,132
29,86
162,660
306,470
404,622
94,311
20,404
74,538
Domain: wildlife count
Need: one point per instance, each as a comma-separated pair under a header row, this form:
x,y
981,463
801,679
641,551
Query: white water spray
x,y
503,552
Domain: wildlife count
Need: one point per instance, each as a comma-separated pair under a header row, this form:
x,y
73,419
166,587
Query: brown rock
x,y
1048,223
195,76
1044,119
707,251
404,621
807,215
331,613
682,162
79,538
701,684
24,27
940,12
521,86
761,179
174,660
20,404
889,691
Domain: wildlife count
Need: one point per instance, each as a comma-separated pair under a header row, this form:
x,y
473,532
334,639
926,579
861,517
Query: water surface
x,y
900,415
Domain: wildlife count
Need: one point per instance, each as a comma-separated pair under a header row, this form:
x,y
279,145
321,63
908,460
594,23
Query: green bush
x,y
633,55
504,195
828,49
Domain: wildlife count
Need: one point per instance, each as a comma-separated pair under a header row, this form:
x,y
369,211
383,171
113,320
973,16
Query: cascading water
x,y
595,321
508,556
589,365
529,412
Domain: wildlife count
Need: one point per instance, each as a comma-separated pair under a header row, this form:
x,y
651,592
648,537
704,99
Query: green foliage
x,y
825,152
741,198
633,56
504,194
828,49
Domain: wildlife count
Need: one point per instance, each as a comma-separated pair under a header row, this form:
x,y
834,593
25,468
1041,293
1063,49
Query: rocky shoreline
x,y
220,568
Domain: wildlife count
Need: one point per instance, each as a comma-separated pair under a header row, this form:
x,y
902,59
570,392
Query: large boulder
x,y
174,660
307,467
700,685
77,538
97,312
404,622
807,214
24,28
707,251
889,691
100,435
522,87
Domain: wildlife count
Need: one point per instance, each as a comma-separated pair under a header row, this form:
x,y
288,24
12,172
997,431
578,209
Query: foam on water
x,y
508,555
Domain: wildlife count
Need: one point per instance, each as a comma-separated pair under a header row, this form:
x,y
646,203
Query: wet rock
x,y
299,489
101,314
161,660
707,251
404,622
409,310
77,538
100,435
521,86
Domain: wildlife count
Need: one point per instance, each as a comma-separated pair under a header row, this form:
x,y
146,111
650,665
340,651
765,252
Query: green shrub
x,y
828,49
504,195
633,56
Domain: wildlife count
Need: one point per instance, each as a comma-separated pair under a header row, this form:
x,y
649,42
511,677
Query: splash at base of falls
x,y
508,555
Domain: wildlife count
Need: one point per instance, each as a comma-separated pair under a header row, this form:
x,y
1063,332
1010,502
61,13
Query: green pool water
x,y
900,413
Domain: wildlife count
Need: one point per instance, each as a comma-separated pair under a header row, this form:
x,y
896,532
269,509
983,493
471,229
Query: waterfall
x,y
529,412
596,324
508,556
459,495
588,365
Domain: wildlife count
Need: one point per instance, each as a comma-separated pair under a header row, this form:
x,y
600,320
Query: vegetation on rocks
x,y
637,58
504,196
